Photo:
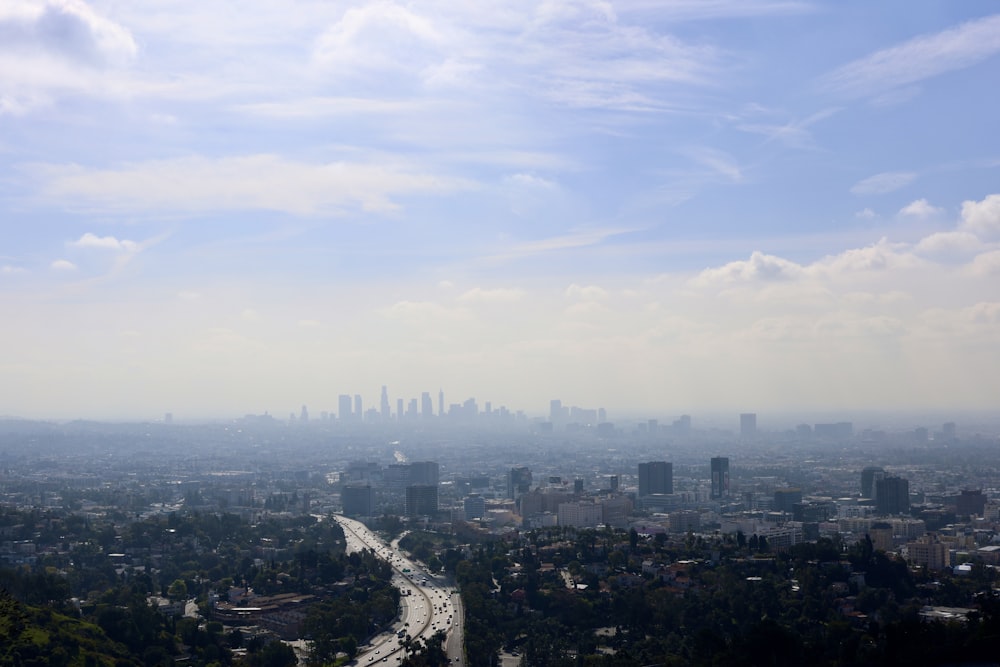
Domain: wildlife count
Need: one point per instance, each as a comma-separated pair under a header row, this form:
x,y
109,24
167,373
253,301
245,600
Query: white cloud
x,y
881,256
586,293
918,59
865,214
760,267
198,185
882,183
55,46
68,28
949,243
8,270
920,208
986,264
982,217
90,240
63,265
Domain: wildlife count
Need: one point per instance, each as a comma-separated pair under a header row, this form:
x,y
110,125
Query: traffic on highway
x,y
428,606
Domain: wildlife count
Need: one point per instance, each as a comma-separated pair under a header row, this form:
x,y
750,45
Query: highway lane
x,y
431,604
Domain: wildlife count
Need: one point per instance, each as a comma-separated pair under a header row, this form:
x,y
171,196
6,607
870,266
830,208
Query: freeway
x,y
429,603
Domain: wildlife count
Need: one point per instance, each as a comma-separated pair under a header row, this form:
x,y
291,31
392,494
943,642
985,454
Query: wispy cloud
x,y
720,162
255,182
794,133
572,241
917,59
888,181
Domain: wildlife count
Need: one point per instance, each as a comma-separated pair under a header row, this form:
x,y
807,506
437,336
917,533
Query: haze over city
x,y
650,207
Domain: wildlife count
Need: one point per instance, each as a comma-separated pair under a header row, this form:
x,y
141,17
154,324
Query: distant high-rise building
x,y
399,409
613,483
949,430
786,499
892,495
344,407
656,477
358,500
426,405
682,425
424,473
720,477
359,410
385,410
577,486
970,503
580,514
168,418
518,481
421,500
602,415
868,476
836,431
441,403
475,507
748,425
555,410
304,415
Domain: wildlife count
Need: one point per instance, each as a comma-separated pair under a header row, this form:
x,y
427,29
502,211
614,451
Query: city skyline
x,y
720,206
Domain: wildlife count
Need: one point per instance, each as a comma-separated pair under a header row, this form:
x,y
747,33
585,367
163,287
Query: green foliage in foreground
x,y
31,635
797,608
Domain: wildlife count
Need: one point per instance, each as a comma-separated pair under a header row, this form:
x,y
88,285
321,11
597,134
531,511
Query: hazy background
x,y
645,205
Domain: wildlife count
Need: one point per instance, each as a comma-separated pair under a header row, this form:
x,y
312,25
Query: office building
x,y
518,482
424,473
358,500
720,477
892,495
475,507
656,477
426,405
344,407
928,551
385,411
970,503
949,431
421,500
835,431
580,514
748,426
786,499
868,477
359,410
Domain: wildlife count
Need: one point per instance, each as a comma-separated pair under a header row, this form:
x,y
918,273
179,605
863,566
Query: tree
x,y
178,590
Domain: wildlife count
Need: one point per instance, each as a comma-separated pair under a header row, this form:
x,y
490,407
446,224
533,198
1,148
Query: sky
x,y
651,206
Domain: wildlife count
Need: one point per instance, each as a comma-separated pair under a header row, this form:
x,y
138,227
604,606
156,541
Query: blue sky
x,y
659,207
